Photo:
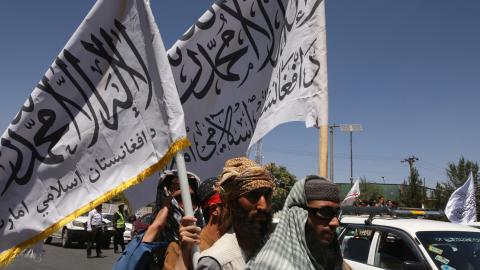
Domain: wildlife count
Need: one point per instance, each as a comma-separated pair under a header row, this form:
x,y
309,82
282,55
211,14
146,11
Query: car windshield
x,y
452,250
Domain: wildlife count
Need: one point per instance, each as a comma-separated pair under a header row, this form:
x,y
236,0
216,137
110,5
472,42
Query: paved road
x,y
56,257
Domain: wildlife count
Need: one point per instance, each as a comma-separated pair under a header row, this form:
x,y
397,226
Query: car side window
x,y
356,244
393,251
147,219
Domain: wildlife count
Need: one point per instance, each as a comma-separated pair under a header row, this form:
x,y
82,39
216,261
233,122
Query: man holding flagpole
x,y
461,207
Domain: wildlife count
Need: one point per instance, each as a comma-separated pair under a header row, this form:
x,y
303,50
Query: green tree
x,y
440,196
413,193
368,190
284,181
458,173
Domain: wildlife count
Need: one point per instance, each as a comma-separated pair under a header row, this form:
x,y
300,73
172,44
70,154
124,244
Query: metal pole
x,y
331,152
187,200
351,159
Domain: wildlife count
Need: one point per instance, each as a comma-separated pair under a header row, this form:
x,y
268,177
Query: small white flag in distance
x,y
105,115
461,207
352,195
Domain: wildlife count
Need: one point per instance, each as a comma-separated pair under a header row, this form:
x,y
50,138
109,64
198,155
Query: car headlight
x,y
78,224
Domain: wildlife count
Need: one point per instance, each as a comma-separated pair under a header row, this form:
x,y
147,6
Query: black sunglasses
x,y
325,212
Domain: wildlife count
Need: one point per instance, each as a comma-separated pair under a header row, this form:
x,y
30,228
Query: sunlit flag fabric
x,y
245,67
352,195
104,116
461,207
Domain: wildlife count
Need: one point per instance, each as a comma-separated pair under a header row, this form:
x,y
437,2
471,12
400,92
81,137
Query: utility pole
x,y
331,129
410,160
350,128
413,191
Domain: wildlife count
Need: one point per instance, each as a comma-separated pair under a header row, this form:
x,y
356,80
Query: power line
x,y
410,160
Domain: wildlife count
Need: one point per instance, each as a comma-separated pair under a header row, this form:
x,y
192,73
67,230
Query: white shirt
x,y
94,219
225,254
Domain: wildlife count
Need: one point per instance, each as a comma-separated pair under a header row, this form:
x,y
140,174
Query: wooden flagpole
x,y
323,151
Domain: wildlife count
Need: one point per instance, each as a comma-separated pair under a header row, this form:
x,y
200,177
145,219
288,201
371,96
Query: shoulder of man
x,y
208,263
225,251
345,266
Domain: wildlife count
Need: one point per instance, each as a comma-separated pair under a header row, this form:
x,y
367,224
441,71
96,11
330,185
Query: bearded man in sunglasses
x,y
305,237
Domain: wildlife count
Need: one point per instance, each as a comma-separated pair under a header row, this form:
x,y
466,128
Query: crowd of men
x,y
376,202
232,224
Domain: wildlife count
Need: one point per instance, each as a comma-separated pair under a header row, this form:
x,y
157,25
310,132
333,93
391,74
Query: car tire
x,y
47,240
66,242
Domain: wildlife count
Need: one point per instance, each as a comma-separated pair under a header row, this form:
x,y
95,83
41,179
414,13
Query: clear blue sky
x,y
408,71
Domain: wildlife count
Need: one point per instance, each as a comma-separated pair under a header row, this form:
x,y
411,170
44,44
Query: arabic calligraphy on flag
x,y
461,206
245,67
105,115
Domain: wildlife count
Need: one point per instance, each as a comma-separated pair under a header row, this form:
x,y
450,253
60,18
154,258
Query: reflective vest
x,y
120,220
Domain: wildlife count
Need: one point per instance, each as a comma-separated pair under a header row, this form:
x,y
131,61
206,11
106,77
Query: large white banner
x,y
245,67
105,115
461,206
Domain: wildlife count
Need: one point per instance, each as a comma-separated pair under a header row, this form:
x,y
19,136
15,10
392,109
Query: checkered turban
x,y
242,175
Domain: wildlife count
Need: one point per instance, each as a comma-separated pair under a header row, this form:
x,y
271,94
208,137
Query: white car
x,y
389,242
76,231
127,235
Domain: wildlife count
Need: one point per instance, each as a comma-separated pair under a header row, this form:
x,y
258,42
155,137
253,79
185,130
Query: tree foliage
x,y
413,193
368,191
457,174
284,181
440,196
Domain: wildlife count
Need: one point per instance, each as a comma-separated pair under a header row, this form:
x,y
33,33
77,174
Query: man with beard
x,y
305,237
246,189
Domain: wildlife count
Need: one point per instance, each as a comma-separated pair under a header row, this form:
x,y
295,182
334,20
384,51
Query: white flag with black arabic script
x,y
462,207
105,115
352,195
245,67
